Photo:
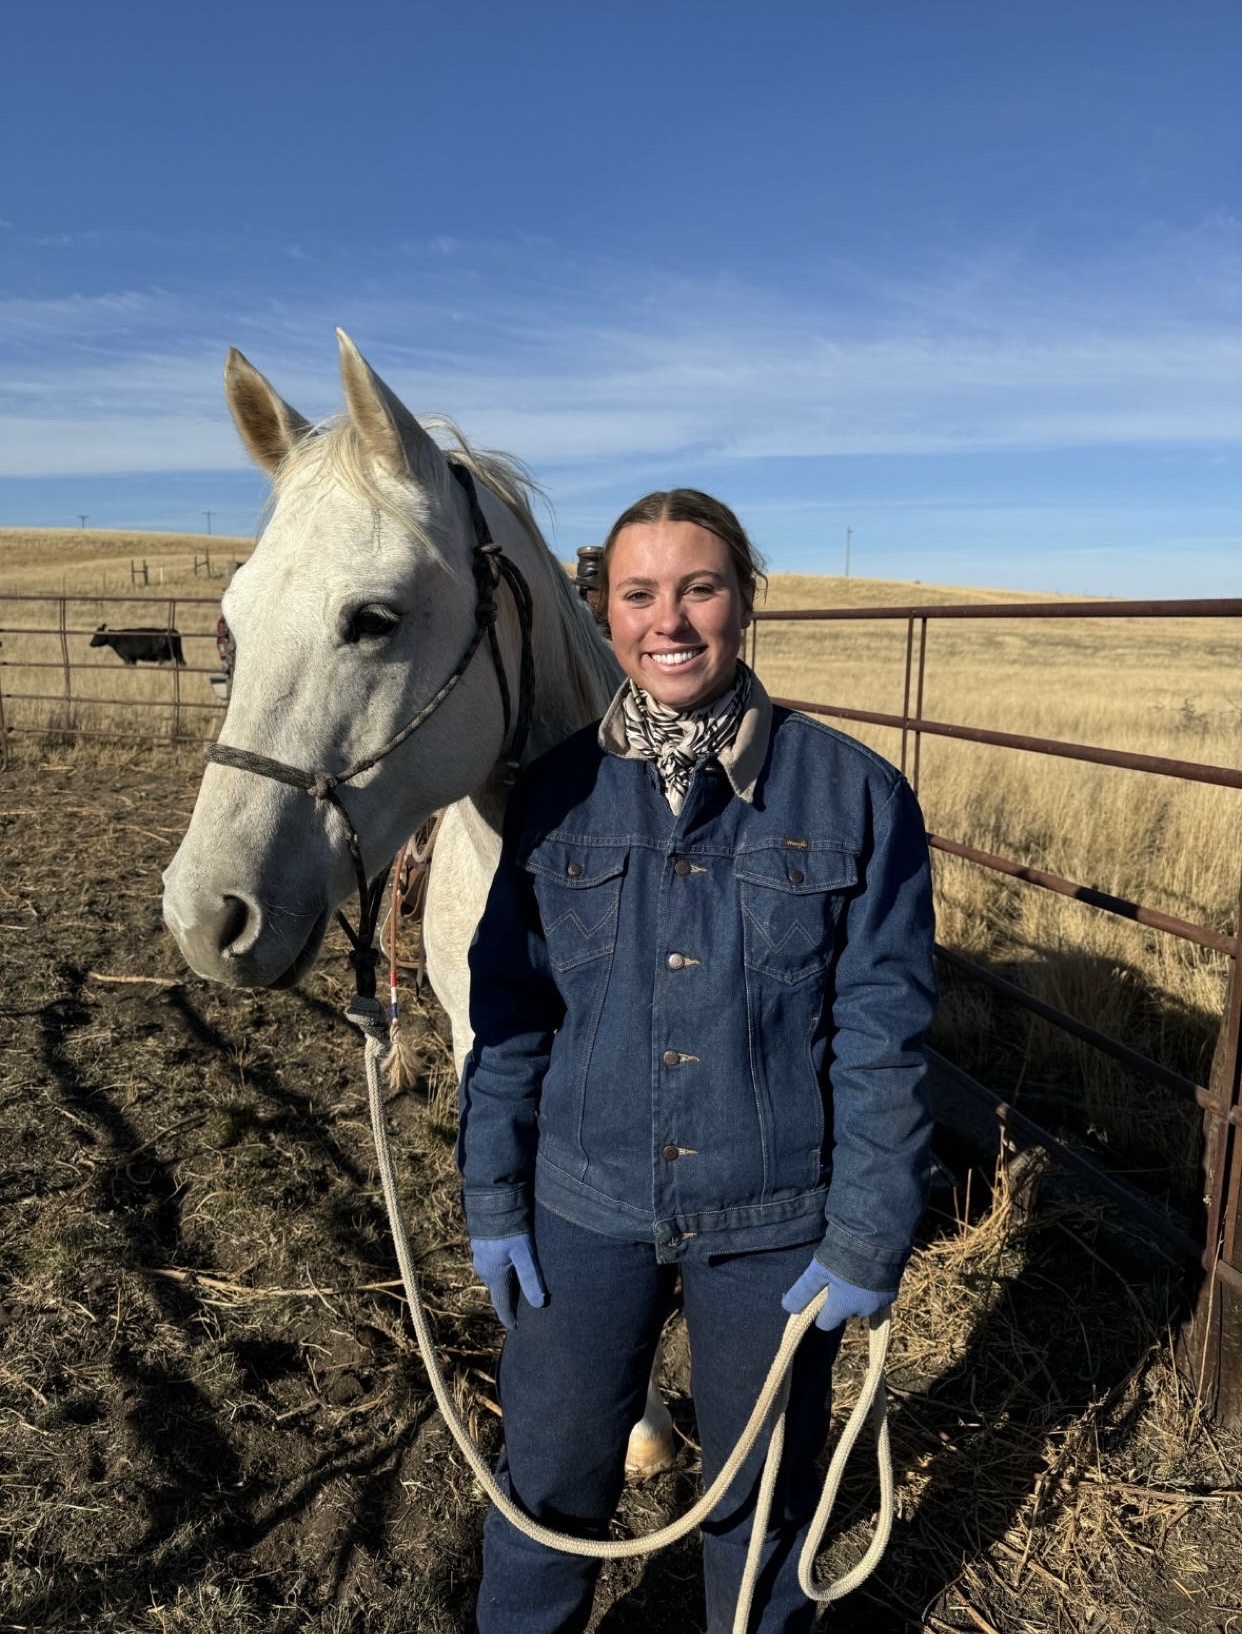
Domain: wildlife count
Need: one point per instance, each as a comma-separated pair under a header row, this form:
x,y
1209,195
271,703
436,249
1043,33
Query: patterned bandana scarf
x,y
679,742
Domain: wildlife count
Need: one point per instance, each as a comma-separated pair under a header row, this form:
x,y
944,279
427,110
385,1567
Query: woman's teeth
x,y
671,660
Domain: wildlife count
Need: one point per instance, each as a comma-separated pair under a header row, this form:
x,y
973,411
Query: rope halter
x,y
489,565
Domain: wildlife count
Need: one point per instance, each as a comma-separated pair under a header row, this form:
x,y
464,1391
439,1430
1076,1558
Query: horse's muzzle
x,y
229,938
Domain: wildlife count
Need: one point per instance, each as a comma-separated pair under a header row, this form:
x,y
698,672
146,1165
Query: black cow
x,y
141,645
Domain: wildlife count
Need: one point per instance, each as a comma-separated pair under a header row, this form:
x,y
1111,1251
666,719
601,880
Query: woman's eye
x,y
371,624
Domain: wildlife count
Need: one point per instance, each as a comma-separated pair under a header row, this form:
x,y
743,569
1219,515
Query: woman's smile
x,y
672,660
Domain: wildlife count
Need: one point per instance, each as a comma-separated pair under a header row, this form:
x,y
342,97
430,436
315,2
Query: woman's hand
x,y
495,1259
844,1298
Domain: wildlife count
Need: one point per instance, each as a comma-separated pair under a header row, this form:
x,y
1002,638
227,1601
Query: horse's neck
x,y
482,811
574,678
575,675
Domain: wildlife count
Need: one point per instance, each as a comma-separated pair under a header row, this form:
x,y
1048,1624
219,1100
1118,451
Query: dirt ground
x,y
214,1416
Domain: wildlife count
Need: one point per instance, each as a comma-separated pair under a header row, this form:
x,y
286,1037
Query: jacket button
x,y
670,1154
676,961
681,866
796,876
573,869
671,1058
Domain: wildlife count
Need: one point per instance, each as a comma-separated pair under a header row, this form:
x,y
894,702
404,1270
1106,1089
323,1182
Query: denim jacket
x,y
705,1030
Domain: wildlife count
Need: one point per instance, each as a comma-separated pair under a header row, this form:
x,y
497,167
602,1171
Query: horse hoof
x,y
649,1453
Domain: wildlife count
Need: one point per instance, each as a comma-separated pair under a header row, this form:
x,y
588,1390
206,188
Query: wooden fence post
x,y
1209,1344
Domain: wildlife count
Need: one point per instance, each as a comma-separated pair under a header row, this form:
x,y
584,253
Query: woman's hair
x,y
688,505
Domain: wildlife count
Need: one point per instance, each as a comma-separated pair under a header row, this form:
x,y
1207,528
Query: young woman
x,y
699,992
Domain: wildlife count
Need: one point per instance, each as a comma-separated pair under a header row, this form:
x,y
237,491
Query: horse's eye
x,y
371,623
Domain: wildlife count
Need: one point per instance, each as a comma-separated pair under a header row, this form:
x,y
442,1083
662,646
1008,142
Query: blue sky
x,y
965,278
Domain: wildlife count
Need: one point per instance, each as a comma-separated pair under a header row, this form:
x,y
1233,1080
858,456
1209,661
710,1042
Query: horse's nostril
x,y
233,922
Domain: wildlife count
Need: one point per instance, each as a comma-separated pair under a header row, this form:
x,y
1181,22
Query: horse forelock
x,y
333,456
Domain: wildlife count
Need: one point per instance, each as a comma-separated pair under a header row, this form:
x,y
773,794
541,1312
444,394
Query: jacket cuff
x,y
497,1211
865,1264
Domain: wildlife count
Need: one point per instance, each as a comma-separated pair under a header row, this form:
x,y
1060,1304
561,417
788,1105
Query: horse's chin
x,y
305,959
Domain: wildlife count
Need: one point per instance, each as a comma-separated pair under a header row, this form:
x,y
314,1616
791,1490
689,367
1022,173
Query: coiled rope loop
x,y
368,1015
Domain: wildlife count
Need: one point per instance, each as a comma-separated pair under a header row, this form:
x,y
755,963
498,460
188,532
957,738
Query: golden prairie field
x,y
1168,687
1163,687
99,561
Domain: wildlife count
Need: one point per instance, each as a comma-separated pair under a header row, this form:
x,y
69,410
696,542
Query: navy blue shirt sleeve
x,y
515,1011
883,1003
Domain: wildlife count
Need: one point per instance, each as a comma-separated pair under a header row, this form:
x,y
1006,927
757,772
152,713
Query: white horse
x,y
357,603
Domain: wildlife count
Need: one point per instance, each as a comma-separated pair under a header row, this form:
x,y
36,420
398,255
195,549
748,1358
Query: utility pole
x,y
849,534
82,520
209,515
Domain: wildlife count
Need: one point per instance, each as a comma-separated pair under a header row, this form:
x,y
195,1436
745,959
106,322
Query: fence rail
x,y
1189,771
1201,935
1212,1340
1190,607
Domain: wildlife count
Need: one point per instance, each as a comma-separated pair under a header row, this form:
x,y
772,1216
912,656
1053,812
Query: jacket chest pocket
x,y
792,902
578,889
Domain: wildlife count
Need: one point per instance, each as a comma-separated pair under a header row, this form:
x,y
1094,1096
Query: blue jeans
x,y
573,1382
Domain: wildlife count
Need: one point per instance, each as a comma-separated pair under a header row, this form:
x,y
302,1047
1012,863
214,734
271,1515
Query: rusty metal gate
x,y
38,625
1211,1340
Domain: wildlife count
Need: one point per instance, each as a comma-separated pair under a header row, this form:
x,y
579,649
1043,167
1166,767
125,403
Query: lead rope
x,y
367,1014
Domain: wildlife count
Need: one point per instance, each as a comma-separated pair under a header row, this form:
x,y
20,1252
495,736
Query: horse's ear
x,y
389,432
269,427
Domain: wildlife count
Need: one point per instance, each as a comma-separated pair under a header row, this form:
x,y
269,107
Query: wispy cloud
x,y
582,366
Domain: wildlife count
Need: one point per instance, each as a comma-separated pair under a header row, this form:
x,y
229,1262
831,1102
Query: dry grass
x,y
67,561
1052,1474
212,1416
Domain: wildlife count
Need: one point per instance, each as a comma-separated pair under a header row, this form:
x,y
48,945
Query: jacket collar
x,y
742,760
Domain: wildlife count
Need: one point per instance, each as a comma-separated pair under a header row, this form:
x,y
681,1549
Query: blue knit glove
x,y
495,1259
844,1299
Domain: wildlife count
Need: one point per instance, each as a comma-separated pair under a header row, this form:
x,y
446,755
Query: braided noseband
x,y
489,565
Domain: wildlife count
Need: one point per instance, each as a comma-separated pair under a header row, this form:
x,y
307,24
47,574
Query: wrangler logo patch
x,y
797,845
